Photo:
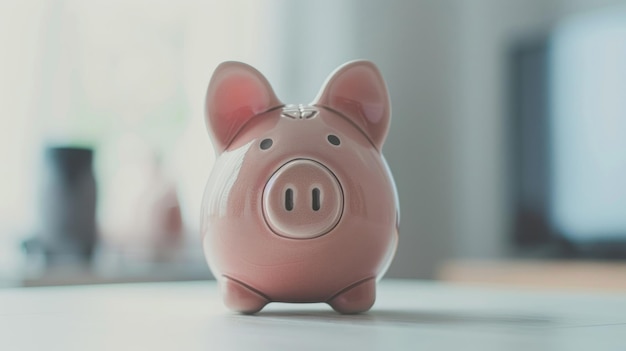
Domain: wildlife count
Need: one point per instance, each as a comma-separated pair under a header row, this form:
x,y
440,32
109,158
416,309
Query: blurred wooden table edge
x,y
540,274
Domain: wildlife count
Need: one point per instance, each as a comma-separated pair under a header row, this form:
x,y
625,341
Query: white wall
x,y
413,43
486,32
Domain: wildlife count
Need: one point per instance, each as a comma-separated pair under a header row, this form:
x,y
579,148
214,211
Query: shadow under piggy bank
x,y
415,317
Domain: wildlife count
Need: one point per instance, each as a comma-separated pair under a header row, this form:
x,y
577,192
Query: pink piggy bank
x,y
300,206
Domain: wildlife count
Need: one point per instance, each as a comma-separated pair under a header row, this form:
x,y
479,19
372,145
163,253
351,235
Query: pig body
x,y
300,205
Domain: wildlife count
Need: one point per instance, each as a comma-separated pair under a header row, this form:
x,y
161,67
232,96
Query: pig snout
x,y
302,200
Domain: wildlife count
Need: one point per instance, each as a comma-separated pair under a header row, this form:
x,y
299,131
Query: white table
x,y
408,315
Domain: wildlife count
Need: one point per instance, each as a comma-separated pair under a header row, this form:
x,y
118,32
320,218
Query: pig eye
x,y
266,144
333,139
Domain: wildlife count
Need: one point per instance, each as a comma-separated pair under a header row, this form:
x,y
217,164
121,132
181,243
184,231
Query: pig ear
x,y
237,92
357,91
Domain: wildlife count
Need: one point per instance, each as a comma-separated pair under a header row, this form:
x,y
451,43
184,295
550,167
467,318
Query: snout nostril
x,y
289,199
316,199
303,199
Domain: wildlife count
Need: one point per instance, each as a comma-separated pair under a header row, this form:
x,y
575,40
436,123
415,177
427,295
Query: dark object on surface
x,y
67,206
530,158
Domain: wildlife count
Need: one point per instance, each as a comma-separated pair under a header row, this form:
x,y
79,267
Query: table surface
x,y
407,315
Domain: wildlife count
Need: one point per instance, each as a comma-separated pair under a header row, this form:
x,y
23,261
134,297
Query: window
x,y
126,77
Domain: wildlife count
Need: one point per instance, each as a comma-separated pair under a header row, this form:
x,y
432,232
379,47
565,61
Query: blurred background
x,y
507,142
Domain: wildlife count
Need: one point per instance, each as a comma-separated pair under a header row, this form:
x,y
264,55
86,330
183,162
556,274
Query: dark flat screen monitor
x,y
568,137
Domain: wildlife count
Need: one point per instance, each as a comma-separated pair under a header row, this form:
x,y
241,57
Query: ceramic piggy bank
x,y
300,205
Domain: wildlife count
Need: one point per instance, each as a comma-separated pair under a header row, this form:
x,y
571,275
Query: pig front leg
x,y
241,298
356,298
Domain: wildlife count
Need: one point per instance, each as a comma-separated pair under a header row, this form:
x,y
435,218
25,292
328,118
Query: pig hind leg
x,y
356,298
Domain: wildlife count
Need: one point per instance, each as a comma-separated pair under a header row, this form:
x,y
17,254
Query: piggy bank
x,y
300,206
